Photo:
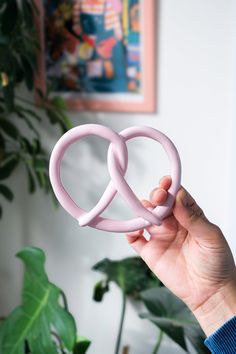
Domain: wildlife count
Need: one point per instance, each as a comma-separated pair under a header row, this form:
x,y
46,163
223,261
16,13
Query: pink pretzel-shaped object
x,y
117,160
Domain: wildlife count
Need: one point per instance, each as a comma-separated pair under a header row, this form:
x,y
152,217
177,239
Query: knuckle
x,y
215,229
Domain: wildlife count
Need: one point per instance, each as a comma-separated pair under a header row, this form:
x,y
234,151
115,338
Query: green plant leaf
x,y
31,181
26,145
52,115
42,180
9,17
39,313
58,102
9,128
28,13
2,147
56,114
173,317
8,93
28,73
29,124
8,167
37,146
131,274
3,39
2,109
6,192
31,113
196,337
40,164
100,289
81,345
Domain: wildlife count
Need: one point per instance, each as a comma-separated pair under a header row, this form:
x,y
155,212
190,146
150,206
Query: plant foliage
x,y
173,318
41,324
131,274
166,311
20,119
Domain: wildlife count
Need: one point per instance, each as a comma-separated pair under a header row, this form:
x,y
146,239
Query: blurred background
x,y
196,91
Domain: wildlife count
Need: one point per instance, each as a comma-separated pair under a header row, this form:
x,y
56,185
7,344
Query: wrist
x,y
218,309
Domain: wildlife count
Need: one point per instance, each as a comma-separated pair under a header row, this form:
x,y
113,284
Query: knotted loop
x,y
117,159
121,162
117,172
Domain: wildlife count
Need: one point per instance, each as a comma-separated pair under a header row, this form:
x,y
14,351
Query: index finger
x,y
159,195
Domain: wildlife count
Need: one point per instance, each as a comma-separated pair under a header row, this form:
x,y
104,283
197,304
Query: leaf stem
x,y
158,344
123,309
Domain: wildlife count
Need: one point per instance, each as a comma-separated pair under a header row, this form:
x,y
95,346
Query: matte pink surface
x,y
117,160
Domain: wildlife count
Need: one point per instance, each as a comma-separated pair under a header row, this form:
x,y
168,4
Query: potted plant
x,y
169,314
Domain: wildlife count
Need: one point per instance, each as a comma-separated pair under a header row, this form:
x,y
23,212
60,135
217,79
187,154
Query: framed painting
x,y
99,54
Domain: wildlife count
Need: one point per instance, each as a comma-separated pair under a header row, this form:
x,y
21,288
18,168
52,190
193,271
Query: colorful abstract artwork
x,y
94,50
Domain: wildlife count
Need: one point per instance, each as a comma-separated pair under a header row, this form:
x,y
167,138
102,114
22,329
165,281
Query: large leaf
x,y
173,317
131,274
39,314
196,337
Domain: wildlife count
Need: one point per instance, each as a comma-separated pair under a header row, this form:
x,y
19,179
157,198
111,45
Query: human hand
x,y
191,257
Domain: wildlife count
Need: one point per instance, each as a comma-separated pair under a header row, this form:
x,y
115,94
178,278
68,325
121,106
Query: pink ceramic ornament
x,y
117,160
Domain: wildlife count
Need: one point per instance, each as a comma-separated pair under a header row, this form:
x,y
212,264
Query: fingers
x,y
146,203
189,214
165,182
159,195
136,238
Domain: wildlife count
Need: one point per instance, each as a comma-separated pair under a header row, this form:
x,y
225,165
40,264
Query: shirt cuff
x,y
223,341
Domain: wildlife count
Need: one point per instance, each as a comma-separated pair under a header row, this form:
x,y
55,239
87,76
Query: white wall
x,y
196,75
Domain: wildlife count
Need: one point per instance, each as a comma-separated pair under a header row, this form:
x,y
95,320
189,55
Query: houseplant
x,y
43,323
162,308
21,143
20,118
40,324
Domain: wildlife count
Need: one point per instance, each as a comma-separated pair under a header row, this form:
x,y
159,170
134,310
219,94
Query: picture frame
x,y
99,55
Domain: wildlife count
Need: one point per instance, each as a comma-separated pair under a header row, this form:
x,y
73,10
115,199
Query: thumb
x,y
189,214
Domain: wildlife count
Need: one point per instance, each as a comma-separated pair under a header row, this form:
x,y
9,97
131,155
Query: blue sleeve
x,y
223,341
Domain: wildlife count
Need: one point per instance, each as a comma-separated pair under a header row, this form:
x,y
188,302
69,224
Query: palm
x,y
187,253
192,264
191,257
180,262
